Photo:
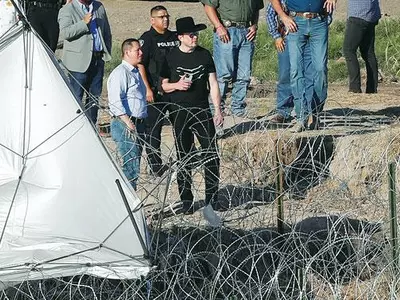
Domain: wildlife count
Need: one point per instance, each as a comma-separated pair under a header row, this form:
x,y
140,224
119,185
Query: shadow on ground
x,y
357,120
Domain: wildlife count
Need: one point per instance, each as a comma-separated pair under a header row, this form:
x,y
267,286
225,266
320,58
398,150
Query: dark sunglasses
x,y
192,34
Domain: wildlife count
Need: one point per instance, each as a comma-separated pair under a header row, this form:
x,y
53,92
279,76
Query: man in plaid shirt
x,y
284,100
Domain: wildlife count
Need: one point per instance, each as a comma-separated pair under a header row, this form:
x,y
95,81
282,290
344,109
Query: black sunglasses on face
x,y
192,34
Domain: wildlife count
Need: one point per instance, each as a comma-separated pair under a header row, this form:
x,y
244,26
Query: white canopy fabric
x,y
61,212
8,16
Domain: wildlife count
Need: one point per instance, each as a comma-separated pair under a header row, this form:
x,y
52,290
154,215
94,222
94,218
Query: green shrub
x,y
265,62
337,70
336,37
387,46
115,60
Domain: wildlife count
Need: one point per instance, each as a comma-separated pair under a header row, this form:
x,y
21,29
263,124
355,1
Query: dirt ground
x,y
129,18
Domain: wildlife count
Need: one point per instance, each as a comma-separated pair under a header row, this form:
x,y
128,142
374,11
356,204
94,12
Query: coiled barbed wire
x,y
335,240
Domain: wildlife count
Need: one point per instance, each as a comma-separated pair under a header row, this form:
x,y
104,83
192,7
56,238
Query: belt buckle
x,y
308,15
227,23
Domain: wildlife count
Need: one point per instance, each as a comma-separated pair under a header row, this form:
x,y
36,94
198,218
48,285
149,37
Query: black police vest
x,y
57,2
45,4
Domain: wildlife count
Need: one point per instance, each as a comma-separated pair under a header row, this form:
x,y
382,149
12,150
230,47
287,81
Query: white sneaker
x,y
298,127
212,218
219,130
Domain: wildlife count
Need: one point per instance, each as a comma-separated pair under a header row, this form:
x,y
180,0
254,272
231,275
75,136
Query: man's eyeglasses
x,y
192,34
162,17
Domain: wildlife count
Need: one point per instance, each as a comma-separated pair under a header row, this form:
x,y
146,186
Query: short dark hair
x,y
127,44
157,8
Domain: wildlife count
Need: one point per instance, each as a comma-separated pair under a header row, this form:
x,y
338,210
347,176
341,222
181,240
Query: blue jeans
x,y
91,81
284,101
233,62
315,32
130,145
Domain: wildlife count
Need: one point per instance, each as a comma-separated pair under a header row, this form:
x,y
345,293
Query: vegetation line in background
x,y
265,62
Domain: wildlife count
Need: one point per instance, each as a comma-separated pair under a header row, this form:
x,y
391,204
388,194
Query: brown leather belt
x,y
305,15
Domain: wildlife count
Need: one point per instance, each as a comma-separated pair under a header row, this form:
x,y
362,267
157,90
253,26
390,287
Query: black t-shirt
x,y
155,47
197,66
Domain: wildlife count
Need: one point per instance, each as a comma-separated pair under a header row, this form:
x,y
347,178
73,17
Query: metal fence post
x,y
393,215
279,189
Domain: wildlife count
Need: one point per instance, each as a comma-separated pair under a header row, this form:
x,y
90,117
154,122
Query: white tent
x,y
61,212
8,16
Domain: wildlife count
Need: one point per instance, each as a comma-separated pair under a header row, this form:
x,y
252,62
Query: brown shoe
x,y
277,119
313,122
355,91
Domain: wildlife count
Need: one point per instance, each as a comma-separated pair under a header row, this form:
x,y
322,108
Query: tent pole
x,y
142,243
21,15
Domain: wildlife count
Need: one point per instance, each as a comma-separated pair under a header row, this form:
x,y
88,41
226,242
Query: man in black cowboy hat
x,y
188,75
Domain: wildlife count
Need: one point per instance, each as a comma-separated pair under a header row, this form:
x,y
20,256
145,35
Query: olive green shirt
x,y
236,10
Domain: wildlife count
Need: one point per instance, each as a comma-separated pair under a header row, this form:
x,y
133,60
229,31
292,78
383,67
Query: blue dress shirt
x,y
315,6
127,92
97,45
